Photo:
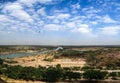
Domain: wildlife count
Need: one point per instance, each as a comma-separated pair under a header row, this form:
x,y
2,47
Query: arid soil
x,y
48,59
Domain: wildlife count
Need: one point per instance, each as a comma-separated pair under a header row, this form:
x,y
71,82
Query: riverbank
x,y
47,59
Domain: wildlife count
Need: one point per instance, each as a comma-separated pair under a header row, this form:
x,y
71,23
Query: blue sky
x,y
59,22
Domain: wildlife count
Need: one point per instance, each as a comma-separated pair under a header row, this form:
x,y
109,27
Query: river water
x,y
14,55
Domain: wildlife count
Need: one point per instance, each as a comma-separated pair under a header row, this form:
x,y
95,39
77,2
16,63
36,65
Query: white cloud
x,y
16,10
59,16
4,18
110,30
22,15
50,17
27,2
53,27
41,11
63,16
31,2
56,21
76,18
44,1
107,19
76,6
58,11
83,29
94,22
12,25
6,22
90,10
70,25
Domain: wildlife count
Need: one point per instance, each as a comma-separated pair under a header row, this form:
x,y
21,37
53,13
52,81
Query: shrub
x,y
53,74
113,74
1,61
72,75
94,74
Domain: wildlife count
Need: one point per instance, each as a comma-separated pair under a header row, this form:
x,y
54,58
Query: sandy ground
x,y
37,60
9,80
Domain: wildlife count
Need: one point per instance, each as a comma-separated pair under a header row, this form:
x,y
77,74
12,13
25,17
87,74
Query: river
x,y
14,55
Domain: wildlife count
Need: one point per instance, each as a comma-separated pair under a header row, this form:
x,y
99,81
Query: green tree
x,y
72,75
113,74
94,74
40,72
118,74
1,61
87,68
71,53
28,73
14,71
53,74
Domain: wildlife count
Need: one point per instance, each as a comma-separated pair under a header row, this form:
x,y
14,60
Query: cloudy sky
x,y
59,22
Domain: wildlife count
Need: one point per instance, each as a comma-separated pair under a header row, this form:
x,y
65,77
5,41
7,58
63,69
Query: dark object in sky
x,y
39,31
